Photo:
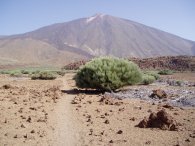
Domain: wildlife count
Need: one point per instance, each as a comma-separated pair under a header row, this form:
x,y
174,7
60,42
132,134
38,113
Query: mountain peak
x,y
96,16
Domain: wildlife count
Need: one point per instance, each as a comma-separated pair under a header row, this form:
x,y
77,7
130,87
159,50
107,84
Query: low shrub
x,y
35,72
16,74
153,73
25,72
43,76
61,73
4,72
166,72
147,79
108,73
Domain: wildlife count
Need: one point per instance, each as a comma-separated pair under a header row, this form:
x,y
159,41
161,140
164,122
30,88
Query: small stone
x,y
7,86
111,141
33,131
138,107
192,135
148,142
106,122
25,136
29,119
16,136
168,106
187,140
132,119
120,132
23,126
89,120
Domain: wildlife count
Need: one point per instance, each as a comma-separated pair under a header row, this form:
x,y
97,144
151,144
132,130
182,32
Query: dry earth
x,y
53,113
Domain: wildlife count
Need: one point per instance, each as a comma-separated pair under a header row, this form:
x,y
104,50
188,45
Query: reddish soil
x,y
53,113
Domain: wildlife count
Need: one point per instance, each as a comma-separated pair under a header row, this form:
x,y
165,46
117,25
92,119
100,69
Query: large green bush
x,y
108,73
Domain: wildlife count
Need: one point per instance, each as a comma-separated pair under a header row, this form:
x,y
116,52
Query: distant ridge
x,y
98,35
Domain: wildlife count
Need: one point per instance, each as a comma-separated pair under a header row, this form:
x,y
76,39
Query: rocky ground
x,y
113,118
24,109
56,113
178,63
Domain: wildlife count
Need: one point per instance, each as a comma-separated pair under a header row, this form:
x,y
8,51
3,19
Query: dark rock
x,y
7,86
160,120
159,93
132,119
168,106
106,122
29,119
187,140
120,132
148,142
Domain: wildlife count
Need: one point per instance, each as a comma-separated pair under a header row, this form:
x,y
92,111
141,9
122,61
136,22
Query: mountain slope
x,y
95,36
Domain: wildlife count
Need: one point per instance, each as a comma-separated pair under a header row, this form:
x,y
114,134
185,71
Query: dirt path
x,y
66,130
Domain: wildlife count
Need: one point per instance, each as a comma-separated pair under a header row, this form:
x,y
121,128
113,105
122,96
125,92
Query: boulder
x,y
160,120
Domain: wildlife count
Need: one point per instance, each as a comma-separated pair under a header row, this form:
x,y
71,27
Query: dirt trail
x,y
67,129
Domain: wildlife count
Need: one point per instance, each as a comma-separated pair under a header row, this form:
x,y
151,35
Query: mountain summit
x,y
93,36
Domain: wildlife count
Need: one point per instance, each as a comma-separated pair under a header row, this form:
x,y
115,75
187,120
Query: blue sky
x,y
173,16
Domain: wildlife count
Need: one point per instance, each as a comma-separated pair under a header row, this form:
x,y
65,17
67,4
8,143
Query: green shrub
x,y
4,72
153,73
147,79
16,74
43,76
61,73
24,72
107,73
35,72
166,72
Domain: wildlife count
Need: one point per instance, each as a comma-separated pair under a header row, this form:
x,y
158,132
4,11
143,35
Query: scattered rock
x,y
192,135
29,119
32,108
74,102
168,106
120,132
5,121
7,86
106,122
23,126
160,120
159,94
25,136
20,110
33,131
132,119
148,142
41,120
109,100
187,140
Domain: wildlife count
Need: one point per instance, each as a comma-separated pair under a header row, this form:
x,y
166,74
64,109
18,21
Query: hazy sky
x,y
174,16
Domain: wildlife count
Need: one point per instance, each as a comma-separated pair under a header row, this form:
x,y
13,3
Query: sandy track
x,y
66,128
